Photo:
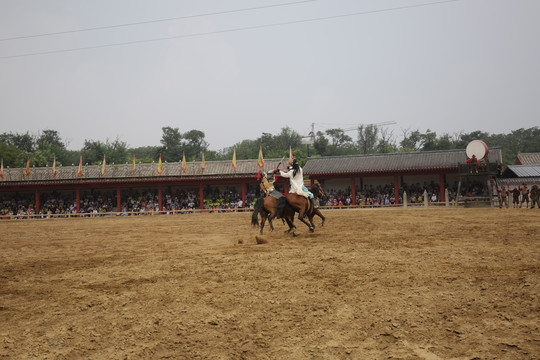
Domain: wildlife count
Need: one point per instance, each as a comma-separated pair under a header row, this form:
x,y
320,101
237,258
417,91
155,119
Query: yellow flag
x,y
54,168
260,160
103,167
291,157
133,170
184,165
159,168
79,172
203,163
27,172
234,160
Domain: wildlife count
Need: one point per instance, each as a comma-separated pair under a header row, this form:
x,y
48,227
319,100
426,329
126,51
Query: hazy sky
x,y
454,66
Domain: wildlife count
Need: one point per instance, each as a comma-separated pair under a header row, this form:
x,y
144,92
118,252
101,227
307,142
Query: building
x,y
442,168
527,159
118,181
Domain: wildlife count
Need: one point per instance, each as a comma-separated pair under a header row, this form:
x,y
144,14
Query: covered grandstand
x,y
352,173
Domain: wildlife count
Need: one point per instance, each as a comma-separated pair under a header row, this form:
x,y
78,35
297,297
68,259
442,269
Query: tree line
x,y
41,149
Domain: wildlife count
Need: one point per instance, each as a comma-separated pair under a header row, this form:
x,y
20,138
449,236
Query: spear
x,y
280,162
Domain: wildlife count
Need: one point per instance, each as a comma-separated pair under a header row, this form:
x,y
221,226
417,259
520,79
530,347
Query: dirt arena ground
x,y
372,284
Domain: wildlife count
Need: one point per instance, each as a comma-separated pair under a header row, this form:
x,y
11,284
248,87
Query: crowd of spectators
x,y
57,205
135,203
217,200
228,200
383,195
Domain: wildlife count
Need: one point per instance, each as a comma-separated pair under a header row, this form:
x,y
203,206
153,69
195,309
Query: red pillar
x,y
160,197
201,196
118,199
37,202
78,199
441,187
396,188
244,194
353,190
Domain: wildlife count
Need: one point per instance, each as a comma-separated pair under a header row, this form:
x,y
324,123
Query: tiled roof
x,y
213,169
524,170
529,158
420,160
518,181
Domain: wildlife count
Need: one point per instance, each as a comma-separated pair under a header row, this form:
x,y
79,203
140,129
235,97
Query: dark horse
x,y
317,192
304,207
270,208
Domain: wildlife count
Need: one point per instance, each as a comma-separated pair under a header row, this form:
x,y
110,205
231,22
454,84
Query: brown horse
x,y
317,192
304,207
269,208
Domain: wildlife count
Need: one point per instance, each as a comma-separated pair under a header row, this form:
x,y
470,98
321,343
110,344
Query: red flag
x,y
260,160
290,156
159,167
2,170
184,164
203,163
79,172
234,160
54,168
27,172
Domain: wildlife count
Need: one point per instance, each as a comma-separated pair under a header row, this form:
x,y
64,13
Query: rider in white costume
x,y
296,178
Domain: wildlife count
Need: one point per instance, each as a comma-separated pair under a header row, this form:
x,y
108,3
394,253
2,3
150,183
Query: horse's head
x,y
317,190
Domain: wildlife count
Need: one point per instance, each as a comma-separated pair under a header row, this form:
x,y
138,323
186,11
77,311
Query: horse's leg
x,y
318,213
271,216
270,222
290,223
305,222
310,218
302,215
263,220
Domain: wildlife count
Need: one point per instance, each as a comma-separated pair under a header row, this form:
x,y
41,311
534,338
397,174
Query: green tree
x,y
145,154
321,144
12,156
52,137
24,142
93,151
429,140
115,151
171,139
368,138
338,137
415,140
386,142
287,138
194,144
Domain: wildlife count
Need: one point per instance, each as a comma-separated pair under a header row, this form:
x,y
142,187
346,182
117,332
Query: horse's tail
x,y
255,216
281,203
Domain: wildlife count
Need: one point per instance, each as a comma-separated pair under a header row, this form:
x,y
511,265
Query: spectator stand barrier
x,y
463,202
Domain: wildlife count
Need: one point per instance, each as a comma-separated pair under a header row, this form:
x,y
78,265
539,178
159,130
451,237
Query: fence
x,y
466,202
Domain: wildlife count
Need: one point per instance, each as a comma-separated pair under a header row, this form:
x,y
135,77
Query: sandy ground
x,y
372,284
